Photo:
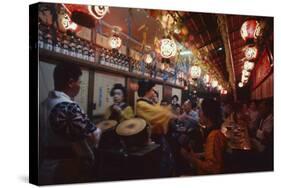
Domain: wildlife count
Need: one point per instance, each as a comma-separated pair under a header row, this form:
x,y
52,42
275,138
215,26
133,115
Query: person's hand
x,y
116,108
187,153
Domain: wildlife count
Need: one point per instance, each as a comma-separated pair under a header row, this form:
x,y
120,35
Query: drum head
x,y
106,125
130,127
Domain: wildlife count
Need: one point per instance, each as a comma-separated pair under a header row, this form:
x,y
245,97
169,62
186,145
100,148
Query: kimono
x,y
125,114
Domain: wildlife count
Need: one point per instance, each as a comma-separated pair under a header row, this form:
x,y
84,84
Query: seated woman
x,y
119,110
212,162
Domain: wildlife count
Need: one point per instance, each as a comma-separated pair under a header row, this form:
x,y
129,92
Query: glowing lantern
x,y
98,11
115,41
206,78
168,48
67,23
148,58
224,91
220,87
248,65
240,84
251,52
195,72
244,79
250,30
214,83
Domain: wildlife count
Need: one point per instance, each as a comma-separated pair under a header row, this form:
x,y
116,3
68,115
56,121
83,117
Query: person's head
x,y
146,89
210,114
67,78
175,99
266,107
187,106
118,92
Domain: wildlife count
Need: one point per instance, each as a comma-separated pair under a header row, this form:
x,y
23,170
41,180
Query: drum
x,y
133,133
109,139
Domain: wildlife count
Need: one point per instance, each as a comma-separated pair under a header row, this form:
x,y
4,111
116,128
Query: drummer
x,y
158,118
119,110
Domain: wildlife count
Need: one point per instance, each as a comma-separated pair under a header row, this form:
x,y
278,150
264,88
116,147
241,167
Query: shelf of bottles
x,y
74,46
66,44
114,59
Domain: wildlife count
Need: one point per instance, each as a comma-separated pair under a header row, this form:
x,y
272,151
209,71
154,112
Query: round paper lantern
x,y
248,65
115,41
168,48
98,11
214,83
195,72
206,78
240,84
67,23
250,30
148,58
251,52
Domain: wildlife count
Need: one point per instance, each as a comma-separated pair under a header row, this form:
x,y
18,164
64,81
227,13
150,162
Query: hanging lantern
x,y
115,41
206,78
224,91
168,48
195,72
214,83
98,11
67,23
148,58
220,87
246,73
250,30
251,52
85,15
248,65
240,84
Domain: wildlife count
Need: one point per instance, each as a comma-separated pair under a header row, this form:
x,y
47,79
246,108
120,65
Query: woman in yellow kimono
x,y
119,110
158,117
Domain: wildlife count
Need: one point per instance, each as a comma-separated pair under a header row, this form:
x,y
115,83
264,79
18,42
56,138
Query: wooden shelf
x,y
54,58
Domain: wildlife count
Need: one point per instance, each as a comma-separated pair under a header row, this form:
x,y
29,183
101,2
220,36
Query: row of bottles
x,y
114,59
64,43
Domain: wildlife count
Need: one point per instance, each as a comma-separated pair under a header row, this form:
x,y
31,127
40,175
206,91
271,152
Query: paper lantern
x,y
67,23
168,48
115,42
250,30
251,52
248,65
214,83
240,84
148,58
195,72
98,11
206,78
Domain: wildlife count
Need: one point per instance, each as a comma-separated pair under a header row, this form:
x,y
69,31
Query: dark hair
x,y
212,111
64,72
175,96
145,86
118,86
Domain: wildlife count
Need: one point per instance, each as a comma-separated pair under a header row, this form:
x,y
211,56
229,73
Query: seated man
x,y
188,113
119,110
64,128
